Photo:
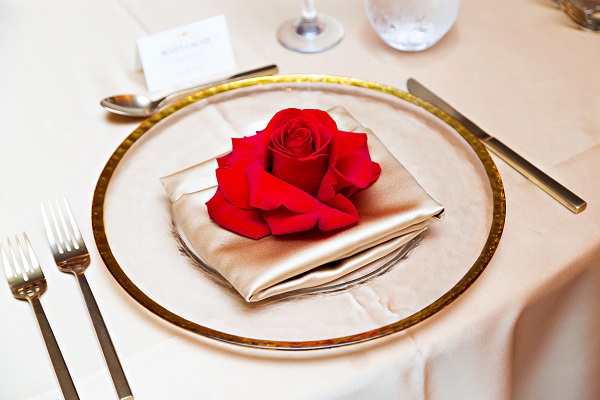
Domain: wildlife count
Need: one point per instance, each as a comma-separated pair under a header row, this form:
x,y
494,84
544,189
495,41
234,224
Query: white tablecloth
x,y
527,328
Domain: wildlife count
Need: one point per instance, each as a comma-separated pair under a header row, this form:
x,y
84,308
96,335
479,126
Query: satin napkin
x,y
392,211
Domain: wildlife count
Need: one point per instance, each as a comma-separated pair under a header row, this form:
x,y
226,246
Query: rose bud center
x,y
299,142
297,156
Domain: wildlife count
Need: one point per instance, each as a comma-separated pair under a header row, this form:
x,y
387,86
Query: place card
x,y
186,55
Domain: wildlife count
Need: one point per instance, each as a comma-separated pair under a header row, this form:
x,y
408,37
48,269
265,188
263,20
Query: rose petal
x,y
375,172
233,184
353,169
354,160
326,217
325,137
268,192
328,185
247,149
322,117
223,160
231,175
249,223
282,117
341,203
305,174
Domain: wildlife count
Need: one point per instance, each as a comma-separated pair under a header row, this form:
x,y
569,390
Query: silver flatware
x,y
139,105
71,256
27,282
530,171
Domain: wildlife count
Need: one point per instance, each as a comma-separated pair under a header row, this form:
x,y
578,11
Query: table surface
x,y
526,329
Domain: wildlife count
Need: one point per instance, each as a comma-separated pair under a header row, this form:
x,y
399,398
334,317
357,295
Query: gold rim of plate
x,y
491,244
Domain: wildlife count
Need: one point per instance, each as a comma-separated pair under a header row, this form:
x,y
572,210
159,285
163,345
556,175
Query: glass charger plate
x,y
132,226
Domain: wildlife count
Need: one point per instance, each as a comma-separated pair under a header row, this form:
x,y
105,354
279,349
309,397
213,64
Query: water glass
x,y
412,25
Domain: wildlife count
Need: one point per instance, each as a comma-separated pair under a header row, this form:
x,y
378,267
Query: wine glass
x,y
312,32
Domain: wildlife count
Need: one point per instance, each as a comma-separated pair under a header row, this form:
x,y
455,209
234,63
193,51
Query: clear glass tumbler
x,y
412,25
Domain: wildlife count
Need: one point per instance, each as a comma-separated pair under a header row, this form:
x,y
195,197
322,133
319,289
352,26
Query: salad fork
x,y
71,256
27,282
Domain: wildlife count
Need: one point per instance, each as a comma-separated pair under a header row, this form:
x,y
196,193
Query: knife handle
x,y
531,172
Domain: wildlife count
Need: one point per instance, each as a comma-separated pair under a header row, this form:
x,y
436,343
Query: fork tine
x,y
78,242
53,230
25,261
63,224
48,227
17,264
34,263
9,270
77,239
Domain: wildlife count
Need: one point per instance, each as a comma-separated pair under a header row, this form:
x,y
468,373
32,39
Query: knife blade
x,y
530,171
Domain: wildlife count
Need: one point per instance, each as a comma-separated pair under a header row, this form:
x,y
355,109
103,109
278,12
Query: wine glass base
x,y
310,42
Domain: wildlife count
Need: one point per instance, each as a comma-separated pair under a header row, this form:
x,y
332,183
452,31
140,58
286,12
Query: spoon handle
x,y
262,71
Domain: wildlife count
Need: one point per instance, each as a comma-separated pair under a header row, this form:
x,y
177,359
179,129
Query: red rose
x,y
296,174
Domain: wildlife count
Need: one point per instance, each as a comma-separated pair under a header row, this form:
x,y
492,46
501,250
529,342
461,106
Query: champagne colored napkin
x,y
393,210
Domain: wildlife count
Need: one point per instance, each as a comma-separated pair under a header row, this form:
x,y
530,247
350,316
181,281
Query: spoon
x,y
139,105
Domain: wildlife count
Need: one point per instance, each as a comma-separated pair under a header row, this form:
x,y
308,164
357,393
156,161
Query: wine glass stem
x,y
312,32
309,25
309,12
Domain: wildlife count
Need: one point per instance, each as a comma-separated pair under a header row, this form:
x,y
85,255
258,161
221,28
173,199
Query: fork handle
x,y
58,362
110,354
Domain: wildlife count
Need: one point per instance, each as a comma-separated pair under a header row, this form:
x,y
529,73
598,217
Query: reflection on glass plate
x,y
133,228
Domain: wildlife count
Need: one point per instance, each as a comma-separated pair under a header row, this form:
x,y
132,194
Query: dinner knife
x,y
530,171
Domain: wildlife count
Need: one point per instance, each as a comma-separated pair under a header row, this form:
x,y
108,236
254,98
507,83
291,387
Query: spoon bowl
x,y
141,106
131,105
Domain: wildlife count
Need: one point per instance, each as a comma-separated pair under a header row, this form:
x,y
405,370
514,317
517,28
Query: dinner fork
x,y
27,282
71,255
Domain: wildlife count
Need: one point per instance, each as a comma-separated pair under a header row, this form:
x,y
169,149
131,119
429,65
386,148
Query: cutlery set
x,y
27,282
24,273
